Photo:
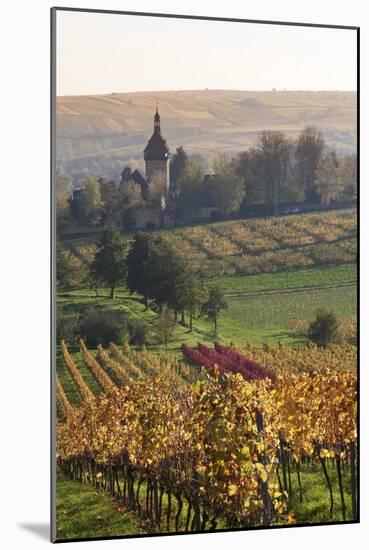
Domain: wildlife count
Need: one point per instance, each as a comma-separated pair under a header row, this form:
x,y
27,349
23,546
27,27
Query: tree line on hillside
x,y
275,171
168,283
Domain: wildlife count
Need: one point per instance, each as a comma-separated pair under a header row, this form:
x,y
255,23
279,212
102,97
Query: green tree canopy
x,y
130,202
227,188
90,203
165,326
178,164
247,165
63,212
214,304
349,176
109,265
190,292
137,260
309,151
189,187
324,329
273,158
109,201
63,184
329,178
71,271
153,268
163,269
63,191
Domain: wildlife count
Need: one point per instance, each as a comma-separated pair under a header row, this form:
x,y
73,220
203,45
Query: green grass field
x,y
316,502
84,512
304,278
259,306
267,310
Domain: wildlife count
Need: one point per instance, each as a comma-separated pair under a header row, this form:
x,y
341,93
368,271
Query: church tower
x,y
156,153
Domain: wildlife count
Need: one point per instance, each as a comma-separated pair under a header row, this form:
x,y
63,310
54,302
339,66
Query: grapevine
x,y
101,377
86,393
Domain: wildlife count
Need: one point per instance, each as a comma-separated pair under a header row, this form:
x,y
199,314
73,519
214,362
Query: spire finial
x,y
157,119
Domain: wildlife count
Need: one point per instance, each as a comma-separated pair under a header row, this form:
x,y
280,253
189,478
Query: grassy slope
x,y
313,277
83,512
316,502
254,315
275,310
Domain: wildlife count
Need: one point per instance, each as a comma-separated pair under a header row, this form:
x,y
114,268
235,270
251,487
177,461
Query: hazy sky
x,y
104,53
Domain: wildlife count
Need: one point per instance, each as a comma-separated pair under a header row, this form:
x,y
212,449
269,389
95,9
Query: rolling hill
x,y
120,124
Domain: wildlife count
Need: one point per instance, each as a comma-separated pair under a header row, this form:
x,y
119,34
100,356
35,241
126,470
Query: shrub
x,y
165,326
324,329
102,327
138,331
67,326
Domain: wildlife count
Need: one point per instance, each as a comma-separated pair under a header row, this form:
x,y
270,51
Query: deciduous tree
x,y
190,292
329,182
70,270
90,203
165,326
137,260
189,188
130,202
273,154
309,151
157,190
215,303
178,164
109,265
227,188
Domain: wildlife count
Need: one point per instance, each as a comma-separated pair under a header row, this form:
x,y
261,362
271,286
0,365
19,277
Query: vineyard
x,y
222,438
271,244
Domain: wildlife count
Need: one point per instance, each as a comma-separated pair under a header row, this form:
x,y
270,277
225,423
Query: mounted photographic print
x,y
204,274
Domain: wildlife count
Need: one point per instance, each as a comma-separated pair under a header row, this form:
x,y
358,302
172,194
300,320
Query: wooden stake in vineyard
x,y
264,487
353,479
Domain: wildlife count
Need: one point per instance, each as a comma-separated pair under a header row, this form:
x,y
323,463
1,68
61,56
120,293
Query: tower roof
x,y
157,146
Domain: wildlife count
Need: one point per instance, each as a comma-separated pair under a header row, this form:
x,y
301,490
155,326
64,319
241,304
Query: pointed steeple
x,y
157,120
156,153
157,148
